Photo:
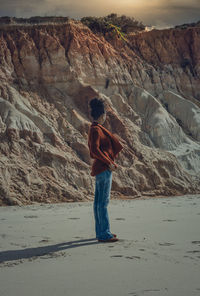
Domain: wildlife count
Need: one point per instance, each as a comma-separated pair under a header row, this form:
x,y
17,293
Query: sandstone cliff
x,y
49,73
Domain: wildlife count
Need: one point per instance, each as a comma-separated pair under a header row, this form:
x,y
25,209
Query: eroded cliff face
x,y
48,75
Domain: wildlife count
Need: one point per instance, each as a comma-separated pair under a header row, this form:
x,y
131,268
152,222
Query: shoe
x,y
109,240
114,235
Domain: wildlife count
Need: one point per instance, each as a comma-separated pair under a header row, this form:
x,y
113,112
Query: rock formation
x,y
49,73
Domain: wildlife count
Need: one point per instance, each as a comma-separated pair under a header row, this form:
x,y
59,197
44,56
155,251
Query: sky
x,y
157,13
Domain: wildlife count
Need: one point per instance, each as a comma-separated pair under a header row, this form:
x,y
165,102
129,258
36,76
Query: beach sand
x,y
50,249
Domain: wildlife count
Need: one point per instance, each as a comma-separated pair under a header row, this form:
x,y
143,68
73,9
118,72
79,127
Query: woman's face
x,y
103,117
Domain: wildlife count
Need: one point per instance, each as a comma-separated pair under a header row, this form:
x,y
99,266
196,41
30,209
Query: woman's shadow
x,y
11,255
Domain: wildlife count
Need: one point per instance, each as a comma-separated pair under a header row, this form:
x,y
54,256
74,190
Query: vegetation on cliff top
x,y
117,25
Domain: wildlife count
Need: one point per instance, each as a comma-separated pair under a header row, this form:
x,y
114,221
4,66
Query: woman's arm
x,y
116,145
95,152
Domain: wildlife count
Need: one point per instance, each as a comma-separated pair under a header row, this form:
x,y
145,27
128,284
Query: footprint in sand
x,y
195,242
127,257
189,257
151,290
31,216
74,218
133,257
119,218
166,244
44,241
144,291
169,220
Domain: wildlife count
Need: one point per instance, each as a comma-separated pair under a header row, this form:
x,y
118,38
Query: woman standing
x,y
104,147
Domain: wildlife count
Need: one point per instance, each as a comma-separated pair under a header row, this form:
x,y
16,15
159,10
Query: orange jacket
x,y
103,146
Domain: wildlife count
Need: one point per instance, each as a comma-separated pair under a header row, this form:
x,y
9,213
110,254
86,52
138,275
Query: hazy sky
x,y
159,13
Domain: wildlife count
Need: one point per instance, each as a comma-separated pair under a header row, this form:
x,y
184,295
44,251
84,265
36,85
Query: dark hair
x,y
97,108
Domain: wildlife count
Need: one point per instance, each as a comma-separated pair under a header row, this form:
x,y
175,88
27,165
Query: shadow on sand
x,y
11,255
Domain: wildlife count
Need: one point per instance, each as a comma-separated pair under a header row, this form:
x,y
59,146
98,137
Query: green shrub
x,y
118,25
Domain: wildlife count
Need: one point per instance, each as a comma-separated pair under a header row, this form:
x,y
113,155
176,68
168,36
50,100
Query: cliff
x,y
49,73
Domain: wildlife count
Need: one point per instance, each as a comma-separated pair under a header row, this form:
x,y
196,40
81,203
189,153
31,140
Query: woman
x,y
104,147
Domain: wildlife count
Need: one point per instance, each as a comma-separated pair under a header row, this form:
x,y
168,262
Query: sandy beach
x,y
50,249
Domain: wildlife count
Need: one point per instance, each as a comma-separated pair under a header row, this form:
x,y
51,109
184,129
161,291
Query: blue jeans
x,y
102,196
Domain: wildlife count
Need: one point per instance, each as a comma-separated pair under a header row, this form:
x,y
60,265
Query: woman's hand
x,y
112,167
